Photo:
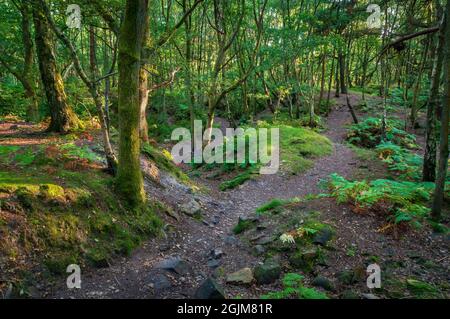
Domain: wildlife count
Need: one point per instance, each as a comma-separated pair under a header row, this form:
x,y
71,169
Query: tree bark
x,y
129,178
63,119
443,147
429,163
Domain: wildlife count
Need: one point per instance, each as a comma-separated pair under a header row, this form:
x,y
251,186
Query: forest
x,y
224,149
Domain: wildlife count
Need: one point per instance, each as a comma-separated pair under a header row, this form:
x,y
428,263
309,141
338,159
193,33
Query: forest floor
x,y
200,246
195,249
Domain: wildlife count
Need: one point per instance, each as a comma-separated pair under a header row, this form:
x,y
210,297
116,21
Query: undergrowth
x,y
398,201
368,133
58,208
293,288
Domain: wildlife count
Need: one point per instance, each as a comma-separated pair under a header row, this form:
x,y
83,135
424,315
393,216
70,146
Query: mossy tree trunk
x,y
63,119
131,37
443,147
33,108
144,91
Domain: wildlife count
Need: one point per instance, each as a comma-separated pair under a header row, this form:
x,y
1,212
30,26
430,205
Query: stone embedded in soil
x,y
261,227
323,236
160,283
241,277
217,253
259,250
304,259
209,289
350,277
175,264
323,282
268,272
171,213
265,240
231,240
252,219
191,209
213,263
216,220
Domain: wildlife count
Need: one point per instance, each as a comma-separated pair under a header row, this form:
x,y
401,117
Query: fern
x,y
405,201
293,287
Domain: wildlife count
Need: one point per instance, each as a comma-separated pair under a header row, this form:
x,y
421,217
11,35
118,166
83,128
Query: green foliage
x,y
368,133
238,180
242,226
403,162
293,288
423,290
400,201
163,160
275,203
80,152
12,99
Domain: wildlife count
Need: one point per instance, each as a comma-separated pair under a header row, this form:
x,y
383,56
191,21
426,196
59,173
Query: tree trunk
x,y
33,107
342,72
429,163
443,147
144,93
63,119
129,178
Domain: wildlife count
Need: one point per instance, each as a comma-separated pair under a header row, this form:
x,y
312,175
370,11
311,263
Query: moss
x,y
57,265
51,192
90,225
242,226
238,180
270,205
163,159
299,145
98,257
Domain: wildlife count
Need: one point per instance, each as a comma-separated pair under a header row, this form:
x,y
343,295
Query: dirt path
x,y
191,240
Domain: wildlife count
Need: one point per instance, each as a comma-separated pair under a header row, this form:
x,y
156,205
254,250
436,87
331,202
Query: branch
x,y
166,83
409,37
168,35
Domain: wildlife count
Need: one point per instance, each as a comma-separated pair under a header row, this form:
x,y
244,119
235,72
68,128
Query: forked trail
x,y
191,241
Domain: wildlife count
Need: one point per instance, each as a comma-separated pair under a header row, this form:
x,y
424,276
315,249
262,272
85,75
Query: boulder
x,y
241,277
323,236
268,272
305,259
323,282
175,264
259,250
160,282
191,208
209,289
217,253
